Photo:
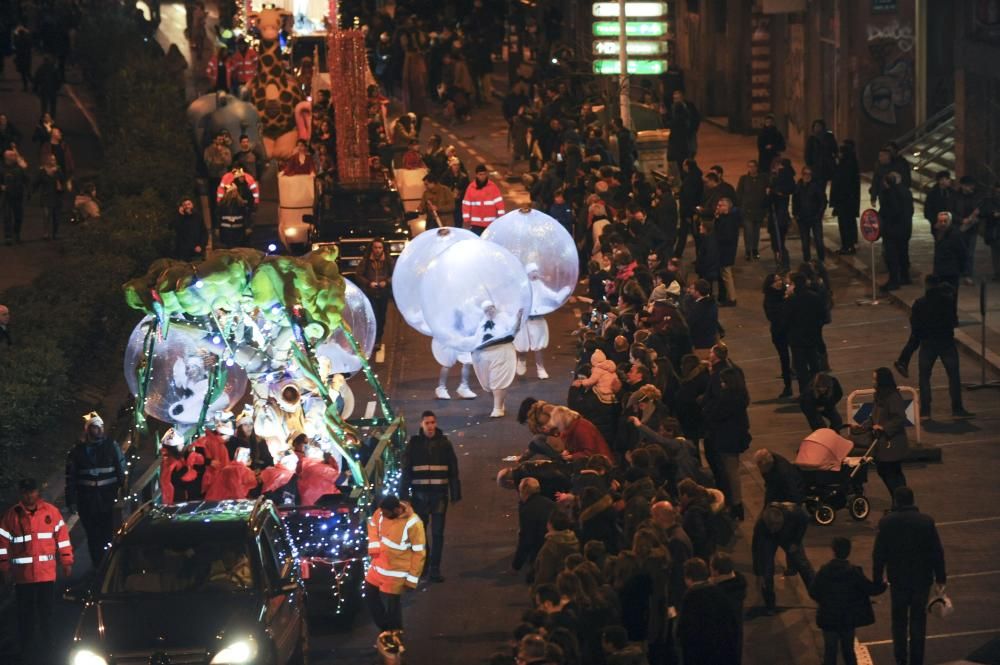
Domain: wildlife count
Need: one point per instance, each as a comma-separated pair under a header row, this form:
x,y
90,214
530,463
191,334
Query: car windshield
x,y
364,206
158,567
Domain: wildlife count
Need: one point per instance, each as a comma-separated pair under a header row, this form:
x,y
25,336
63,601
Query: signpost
x,y
871,230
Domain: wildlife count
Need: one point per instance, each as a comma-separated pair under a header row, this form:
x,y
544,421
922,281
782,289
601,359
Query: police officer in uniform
x,y
95,472
430,476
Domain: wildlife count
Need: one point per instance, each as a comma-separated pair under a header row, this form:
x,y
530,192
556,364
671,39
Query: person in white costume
x,y
447,357
534,335
494,359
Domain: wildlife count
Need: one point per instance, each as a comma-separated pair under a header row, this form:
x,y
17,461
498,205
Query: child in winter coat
x,y
603,378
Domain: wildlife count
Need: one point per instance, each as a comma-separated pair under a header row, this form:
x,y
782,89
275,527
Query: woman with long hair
x,y
374,276
888,425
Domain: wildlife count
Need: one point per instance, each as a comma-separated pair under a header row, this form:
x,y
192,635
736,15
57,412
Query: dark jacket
x,y
805,313
691,193
663,215
708,261
370,273
939,199
908,548
842,593
769,136
892,208
751,196
735,589
189,232
845,188
933,318
774,309
551,557
598,522
532,518
95,471
707,631
821,155
809,200
727,231
703,322
727,422
889,411
697,522
783,483
689,413
430,465
949,252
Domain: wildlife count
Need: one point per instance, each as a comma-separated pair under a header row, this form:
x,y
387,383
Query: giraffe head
x,y
269,22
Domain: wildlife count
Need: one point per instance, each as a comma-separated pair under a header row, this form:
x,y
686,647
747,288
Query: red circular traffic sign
x,y
871,229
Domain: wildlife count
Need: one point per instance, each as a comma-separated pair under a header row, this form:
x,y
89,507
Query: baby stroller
x,y
832,479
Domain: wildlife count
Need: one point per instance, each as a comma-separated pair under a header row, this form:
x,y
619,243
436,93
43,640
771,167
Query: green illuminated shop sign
x,y
632,28
635,67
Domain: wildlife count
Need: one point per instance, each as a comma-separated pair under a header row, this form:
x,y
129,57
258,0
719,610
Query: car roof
x,y
194,519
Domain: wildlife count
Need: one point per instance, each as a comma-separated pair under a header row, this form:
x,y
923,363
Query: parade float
x,y
284,342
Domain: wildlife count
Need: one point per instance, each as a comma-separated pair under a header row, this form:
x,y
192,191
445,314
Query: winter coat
x,y
735,589
371,272
703,322
551,557
889,411
189,232
727,232
481,204
809,200
50,187
707,631
697,522
774,309
845,189
727,422
690,195
751,196
398,550
908,549
430,466
821,155
783,483
603,379
939,199
842,593
30,541
708,262
583,439
805,313
949,251
769,136
933,318
95,471
532,519
689,413
598,522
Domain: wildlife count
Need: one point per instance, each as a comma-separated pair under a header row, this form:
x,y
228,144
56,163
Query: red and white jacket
x,y
481,205
242,66
228,179
29,542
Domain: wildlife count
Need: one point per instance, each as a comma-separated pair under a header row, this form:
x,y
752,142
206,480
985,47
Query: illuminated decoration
x,y
348,65
632,29
610,47
632,9
636,67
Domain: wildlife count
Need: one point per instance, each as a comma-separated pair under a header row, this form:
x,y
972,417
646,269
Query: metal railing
x,y
927,127
869,392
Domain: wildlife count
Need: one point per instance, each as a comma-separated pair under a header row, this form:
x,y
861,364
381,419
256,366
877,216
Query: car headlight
x,y
87,657
242,651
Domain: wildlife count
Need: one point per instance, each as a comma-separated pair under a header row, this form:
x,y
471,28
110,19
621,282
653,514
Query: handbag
x,y
940,604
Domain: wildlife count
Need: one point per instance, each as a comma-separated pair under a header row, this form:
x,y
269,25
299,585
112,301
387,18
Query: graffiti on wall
x,y
889,88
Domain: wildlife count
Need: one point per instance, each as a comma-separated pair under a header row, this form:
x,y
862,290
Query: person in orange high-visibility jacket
x,y
482,202
243,180
397,546
242,65
32,535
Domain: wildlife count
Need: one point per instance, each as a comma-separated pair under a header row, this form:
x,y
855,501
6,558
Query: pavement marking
x,y
982,574
963,442
972,521
861,653
941,636
86,114
370,410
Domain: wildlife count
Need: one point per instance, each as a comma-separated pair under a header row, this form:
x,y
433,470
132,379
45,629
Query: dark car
x,y
200,582
351,215
332,543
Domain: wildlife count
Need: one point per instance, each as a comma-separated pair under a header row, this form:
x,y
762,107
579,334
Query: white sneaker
x,y
441,393
522,367
465,392
498,413
542,374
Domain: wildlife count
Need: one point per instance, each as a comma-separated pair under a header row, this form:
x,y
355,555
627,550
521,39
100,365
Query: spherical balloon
x,y
547,251
179,377
473,293
411,265
359,315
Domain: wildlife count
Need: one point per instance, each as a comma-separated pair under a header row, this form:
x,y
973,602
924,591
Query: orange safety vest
x,y
29,542
398,549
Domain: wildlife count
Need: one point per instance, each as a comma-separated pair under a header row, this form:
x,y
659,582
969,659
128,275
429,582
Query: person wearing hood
x,y
560,542
430,479
603,379
482,202
842,592
397,546
95,473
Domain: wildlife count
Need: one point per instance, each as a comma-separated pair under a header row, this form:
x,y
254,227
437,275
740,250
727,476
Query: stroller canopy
x,y
823,449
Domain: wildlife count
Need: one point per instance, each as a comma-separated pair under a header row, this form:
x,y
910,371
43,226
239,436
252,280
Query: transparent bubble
x,y
547,251
360,316
180,373
411,265
474,292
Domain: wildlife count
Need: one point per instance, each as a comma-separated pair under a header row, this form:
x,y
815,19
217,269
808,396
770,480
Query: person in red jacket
x,y
242,66
482,202
32,535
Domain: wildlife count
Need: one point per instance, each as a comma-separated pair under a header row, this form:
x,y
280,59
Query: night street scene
x,y
500,332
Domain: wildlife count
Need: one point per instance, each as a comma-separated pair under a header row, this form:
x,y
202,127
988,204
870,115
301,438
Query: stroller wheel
x,y
860,507
824,515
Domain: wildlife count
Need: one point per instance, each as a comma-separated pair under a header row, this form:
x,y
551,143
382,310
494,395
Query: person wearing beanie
x,y
482,202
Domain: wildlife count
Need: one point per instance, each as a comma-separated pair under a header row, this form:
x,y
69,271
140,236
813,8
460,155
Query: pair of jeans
x,y
805,360
892,476
13,217
892,249
100,530
687,227
969,240
751,236
816,411
847,224
781,346
912,344
777,227
909,623
812,229
930,352
432,509
796,559
51,214
729,283
838,640
35,603
386,608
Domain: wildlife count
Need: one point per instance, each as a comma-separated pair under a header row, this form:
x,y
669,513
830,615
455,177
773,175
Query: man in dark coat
x,y
908,549
845,197
751,199
781,525
702,315
821,153
430,478
707,630
190,236
780,188
663,215
820,402
782,480
533,517
770,144
804,315
47,83
941,198
949,250
967,218
808,206
728,222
